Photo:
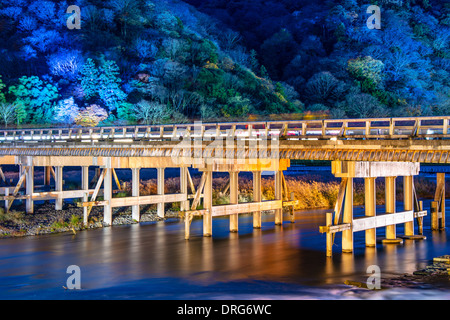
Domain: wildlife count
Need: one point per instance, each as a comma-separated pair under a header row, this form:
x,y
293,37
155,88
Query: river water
x,y
153,261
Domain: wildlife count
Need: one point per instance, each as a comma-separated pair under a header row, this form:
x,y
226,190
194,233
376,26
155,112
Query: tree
x,y
2,86
363,105
109,85
102,82
145,49
44,40
89,78
368,71
127,12
36,97
66,111
65,63
151,112
278,52
320,87
7,112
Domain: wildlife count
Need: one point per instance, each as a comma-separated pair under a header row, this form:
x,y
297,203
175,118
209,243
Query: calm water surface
x,y
153,261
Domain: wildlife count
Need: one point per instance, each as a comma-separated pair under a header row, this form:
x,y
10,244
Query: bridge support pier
x,y
135,184
58,187
370,205
184,205
85,188
234,193
347,170
107,194
160,190
438,205
257,196
347,235
207,204
390,198
278,196
30,187
47,175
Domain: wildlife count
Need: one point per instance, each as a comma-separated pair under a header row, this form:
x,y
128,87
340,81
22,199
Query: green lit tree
x,y
36,97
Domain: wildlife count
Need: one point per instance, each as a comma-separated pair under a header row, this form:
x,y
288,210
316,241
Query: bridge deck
x,y
425,139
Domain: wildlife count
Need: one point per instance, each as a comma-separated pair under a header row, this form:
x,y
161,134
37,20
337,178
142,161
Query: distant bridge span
x,y
358,148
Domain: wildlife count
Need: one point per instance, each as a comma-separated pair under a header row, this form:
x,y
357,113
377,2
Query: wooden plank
x,y
248,207
143,200
360,224
116,179
335,228
340,201
199,191
191,183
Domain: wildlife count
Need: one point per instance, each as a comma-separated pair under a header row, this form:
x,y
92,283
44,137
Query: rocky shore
x,y
46,220
436,275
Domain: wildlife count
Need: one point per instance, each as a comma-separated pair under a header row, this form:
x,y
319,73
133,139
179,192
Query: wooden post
x,y
47,175
347,235
187,225
2,175
85,187
440,177
160,190
135,184
234,190
30,188
329,222
207,204
257,196
370,209
107,194
278,196
59,187
420,219
390,195
408,203
184,205
390,205
6,201
24,183
434,215
292,208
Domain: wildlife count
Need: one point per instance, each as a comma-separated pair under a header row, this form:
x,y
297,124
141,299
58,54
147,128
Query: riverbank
x,y
47,220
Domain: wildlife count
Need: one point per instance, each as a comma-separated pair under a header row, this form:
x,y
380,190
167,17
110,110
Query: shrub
x,y
151,112
66,111
91,116
368,71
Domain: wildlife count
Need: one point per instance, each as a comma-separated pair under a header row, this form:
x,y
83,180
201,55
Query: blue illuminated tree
x,y
102,82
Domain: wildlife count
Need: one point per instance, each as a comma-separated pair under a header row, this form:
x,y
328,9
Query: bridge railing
x,y
377,128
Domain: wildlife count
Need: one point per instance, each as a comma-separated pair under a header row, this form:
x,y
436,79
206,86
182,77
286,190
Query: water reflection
x,y
293,254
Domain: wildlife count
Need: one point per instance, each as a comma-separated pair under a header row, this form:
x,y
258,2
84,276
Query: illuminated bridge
x,y
364,148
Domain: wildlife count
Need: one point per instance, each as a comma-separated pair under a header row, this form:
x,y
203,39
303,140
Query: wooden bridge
x,y
364,148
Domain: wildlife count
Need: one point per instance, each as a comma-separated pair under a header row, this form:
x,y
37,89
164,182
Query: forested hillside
x,y
132,61
325,50
136,61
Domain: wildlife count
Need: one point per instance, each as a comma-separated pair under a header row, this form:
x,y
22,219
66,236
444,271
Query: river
x,y
153,261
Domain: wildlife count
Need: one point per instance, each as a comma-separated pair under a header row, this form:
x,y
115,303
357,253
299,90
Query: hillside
x,y
325,51
132,61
